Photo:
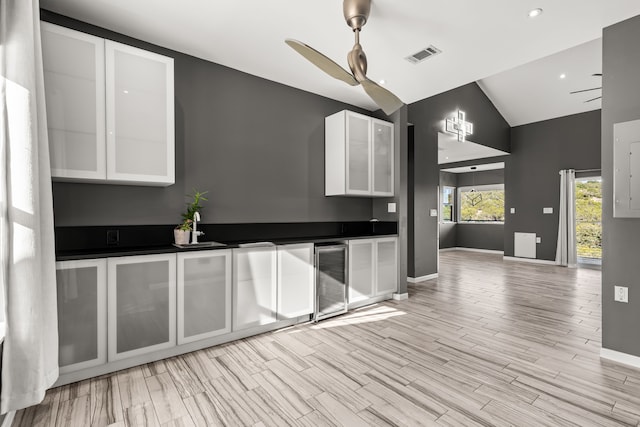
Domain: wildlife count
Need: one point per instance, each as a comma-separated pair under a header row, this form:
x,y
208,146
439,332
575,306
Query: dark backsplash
x,y
135,236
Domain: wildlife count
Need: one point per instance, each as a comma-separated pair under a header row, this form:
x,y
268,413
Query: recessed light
x,y
535,12
382,81
563,76
125,91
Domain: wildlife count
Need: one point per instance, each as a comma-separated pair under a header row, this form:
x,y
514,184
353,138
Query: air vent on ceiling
x,y
423,54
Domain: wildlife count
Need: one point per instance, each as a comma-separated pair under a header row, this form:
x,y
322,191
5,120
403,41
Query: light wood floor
x,y
487,343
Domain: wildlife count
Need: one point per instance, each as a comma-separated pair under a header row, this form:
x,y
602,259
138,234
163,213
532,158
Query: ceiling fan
x,y
589,90
356,13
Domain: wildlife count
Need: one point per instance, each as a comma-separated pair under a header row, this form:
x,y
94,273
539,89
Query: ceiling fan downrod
x,y
356,13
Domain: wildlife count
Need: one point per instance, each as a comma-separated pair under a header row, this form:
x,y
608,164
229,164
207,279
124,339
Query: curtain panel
x,y
566,252
27,250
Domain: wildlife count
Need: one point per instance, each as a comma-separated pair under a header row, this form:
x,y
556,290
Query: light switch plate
x,y
391,207
513,210
538,239
547,210
433,212
621,293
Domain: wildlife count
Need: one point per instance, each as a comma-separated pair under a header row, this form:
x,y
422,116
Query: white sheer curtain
x,y
27,252
566,250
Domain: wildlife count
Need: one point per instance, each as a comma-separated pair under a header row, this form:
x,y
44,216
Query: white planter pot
x,y
181,237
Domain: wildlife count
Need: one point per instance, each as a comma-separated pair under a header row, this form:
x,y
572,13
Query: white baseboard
x,y
422,278
529,260
400,297
486,251
8,419
616,356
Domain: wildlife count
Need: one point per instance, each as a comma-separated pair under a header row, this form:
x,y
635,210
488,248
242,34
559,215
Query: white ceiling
x,y
534,91
450,150
478,168
478,38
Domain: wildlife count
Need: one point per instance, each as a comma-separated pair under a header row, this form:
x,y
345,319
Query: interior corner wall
x,y
532,181
255,145
427,117
620,103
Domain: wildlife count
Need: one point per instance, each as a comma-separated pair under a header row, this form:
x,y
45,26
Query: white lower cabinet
x,y
296,280
204,295
254,287
373,268
386,266
141,304
82,314
361,274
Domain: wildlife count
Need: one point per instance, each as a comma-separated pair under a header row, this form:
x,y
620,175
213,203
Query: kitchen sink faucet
x,y
195,233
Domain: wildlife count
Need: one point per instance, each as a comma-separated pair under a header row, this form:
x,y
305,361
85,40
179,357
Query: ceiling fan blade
x,y
585,90
322,62
592,99
386,100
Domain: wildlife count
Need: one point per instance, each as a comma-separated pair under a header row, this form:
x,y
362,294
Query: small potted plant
x,y
182,231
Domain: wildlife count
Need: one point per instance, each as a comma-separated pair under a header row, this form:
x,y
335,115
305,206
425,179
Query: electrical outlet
x,y
538,239
513,210
391,207
113,237
621,293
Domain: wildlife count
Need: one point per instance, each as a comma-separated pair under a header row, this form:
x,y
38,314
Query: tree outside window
x,y
482,204
447,205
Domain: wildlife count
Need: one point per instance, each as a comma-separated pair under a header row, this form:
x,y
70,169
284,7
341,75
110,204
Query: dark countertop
x,y
115,251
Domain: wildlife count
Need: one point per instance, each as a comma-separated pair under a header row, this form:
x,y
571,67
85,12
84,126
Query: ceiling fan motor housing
x,y
356,12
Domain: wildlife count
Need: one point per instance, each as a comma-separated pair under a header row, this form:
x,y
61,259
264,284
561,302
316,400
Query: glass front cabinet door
x,y
382,158
82,316
204,295
254,287
73,65
140,116
141,304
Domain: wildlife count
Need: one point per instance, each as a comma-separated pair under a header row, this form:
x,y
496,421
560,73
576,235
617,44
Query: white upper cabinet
x,y
140,126
359,156
110,110
75,98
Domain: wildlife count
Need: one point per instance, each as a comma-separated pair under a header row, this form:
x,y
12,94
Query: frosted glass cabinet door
x,y
75,98
140,116
204,295
386,266
254,287
82,314
382,158
296,280
358,154
142,304
361,273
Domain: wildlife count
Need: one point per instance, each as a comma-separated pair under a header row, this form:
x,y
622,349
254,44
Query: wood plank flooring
x,y
487,343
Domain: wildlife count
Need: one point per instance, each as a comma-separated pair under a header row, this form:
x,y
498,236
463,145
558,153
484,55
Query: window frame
x,y
453,204
485,187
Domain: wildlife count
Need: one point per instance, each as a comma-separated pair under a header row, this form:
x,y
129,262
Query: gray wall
x,y
255,145
538,152
475,236
620,266
428,116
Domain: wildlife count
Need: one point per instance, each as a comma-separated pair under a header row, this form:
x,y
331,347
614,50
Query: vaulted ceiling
x,y
479,40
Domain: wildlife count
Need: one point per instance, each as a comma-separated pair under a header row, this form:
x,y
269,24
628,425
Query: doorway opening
x,y
589,221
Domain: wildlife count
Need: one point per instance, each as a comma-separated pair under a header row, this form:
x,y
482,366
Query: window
x,y
481,203
446,205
